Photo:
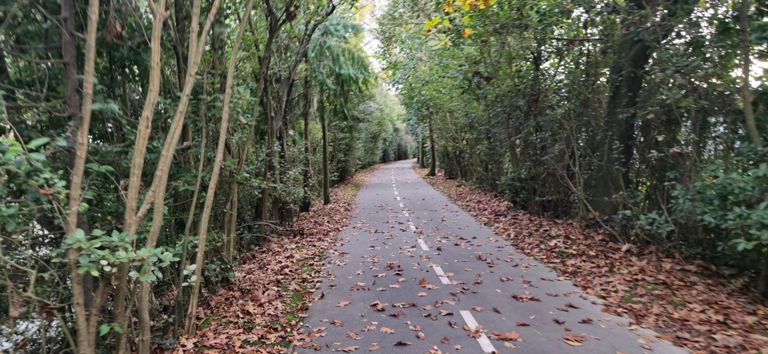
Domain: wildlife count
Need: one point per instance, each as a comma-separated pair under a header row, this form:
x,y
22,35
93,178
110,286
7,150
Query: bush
x,y
729,203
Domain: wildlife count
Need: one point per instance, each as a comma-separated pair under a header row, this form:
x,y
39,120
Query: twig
x,y
589,206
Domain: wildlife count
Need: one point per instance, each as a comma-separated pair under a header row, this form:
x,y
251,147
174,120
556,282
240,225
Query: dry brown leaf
x,y
349,349
424,283
505,336
573,339
353,335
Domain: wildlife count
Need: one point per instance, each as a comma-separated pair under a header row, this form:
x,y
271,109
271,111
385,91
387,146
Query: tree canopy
x,y
146,144
646,118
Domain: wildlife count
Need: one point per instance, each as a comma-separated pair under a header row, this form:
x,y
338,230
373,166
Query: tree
x,y
340,70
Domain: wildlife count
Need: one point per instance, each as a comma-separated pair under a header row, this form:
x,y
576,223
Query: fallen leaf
x,y
424,283
378,306
505,336
353,335
349,349
573,339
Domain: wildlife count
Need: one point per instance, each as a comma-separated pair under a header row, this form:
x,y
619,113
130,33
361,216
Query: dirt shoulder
x,y
261,310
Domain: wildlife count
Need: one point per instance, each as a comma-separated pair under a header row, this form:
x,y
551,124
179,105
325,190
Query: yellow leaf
x,y
431,23
448,7
467,32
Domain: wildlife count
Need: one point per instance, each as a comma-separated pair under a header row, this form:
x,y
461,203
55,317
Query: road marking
x,y
412,226
398,198
423,245
395,191
485,343
440,274
406,213
402,205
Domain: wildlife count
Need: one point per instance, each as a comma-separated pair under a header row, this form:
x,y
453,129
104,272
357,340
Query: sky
x,y
370,10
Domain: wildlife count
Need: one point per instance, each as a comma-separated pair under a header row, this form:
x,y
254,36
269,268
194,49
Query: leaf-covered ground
x,y
261,310
688,303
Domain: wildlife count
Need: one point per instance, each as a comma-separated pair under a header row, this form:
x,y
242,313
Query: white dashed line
x,y
440,274
396,192
423,245
398,198
402,205
485,343
412,226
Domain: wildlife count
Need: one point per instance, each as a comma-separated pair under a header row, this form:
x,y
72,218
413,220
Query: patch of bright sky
x,y
368,12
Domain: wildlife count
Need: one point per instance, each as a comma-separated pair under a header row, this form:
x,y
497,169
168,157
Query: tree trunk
x,y
86,317
306,202
130,223
69,59
180,13
179,303
762,278
324,128
156,195
746,61
616,146
422,152
209,196
432,153
266,204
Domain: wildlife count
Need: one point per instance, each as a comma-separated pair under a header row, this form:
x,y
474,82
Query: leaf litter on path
x,y
260,310
688,303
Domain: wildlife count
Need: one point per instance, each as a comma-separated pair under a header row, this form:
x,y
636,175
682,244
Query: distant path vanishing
x,y
416,274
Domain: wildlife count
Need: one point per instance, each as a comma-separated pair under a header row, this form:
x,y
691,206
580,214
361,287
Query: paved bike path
x,y
416,274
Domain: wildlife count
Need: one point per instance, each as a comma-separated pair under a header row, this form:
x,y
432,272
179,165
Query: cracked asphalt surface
x,y
416,274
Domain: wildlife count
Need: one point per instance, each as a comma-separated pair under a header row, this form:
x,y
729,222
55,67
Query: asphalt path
x,y
416,274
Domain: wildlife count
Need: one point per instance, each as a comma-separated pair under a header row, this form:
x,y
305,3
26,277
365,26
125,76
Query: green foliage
x,y
365,120
730,203
101,253
330,69
28,185
622,111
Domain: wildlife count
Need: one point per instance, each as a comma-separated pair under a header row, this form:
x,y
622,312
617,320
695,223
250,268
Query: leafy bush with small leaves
x,y
730,203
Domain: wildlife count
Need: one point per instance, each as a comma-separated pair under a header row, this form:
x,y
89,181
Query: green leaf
x,y
147,277
36,143
432,23
104,329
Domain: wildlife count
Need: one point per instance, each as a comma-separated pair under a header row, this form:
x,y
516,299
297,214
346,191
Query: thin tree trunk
x,y
746,61
156,195
422,153
432,153
306,202
269,161
69,58
209,196
324,128
130,224
178,306
86,341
